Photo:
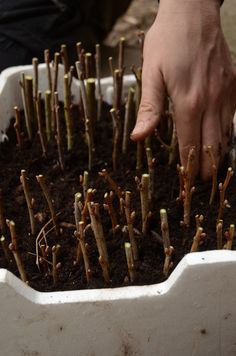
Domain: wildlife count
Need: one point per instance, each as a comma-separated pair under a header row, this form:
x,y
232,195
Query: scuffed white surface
x,y
192,313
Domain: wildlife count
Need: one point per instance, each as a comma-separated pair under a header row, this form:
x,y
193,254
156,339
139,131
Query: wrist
x,y
195,12
220,1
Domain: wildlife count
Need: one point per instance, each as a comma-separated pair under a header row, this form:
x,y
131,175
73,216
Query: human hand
x,y
186,57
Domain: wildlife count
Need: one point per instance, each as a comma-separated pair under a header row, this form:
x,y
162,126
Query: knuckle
x,y
215,94
194,103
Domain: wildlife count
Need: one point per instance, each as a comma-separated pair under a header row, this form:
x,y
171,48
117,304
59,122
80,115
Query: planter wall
x,y
192,313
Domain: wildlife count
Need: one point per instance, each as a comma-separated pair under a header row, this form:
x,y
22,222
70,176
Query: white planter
x,y
192,313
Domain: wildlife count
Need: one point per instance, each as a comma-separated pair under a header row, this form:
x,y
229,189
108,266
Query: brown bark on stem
x,y
188,189
219,234
41,180
197,239
117,134
68,115
128,121
26,111
58,132
88,65
2,214
40,124
5,248
151,172
55,264
17,127
130,261
85,184
121,53
98,76
209,150
12,228
81,239
168,260
145,204
19,263
100,239
48,114
30,100
28,198
108,205
35,63
222,190
130,216
111,182
49,74
88,128
230,237
64,58
91,97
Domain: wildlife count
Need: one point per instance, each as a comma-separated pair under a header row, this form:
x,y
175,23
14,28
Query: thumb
x,y
152,102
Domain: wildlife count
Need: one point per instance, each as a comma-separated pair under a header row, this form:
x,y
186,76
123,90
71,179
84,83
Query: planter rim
x,y
189,261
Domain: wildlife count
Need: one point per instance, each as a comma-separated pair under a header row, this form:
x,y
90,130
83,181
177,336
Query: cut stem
x,y
100,239
64,58
2,214
98,75
48,114
41,180
230,237
28,198
81,238
40,124
47,61
19,262
222,188
67,113
55,264
128,121
5,248
188,189
151,172
130,261
58,132
130,216
165,228
26,111
88,65
108,205
168,260
17,127
197,239
35,63
219,234
209,151
145,204
88,128
111,183
12,228
91,101
117,132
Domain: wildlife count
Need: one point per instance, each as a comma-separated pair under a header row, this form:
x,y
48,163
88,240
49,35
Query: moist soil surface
x,y
63,186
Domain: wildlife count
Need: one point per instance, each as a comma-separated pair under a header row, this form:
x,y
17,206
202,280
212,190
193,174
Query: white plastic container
x,y
191,314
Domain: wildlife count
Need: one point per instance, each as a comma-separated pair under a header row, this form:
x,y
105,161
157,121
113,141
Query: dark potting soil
x,y
64,185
